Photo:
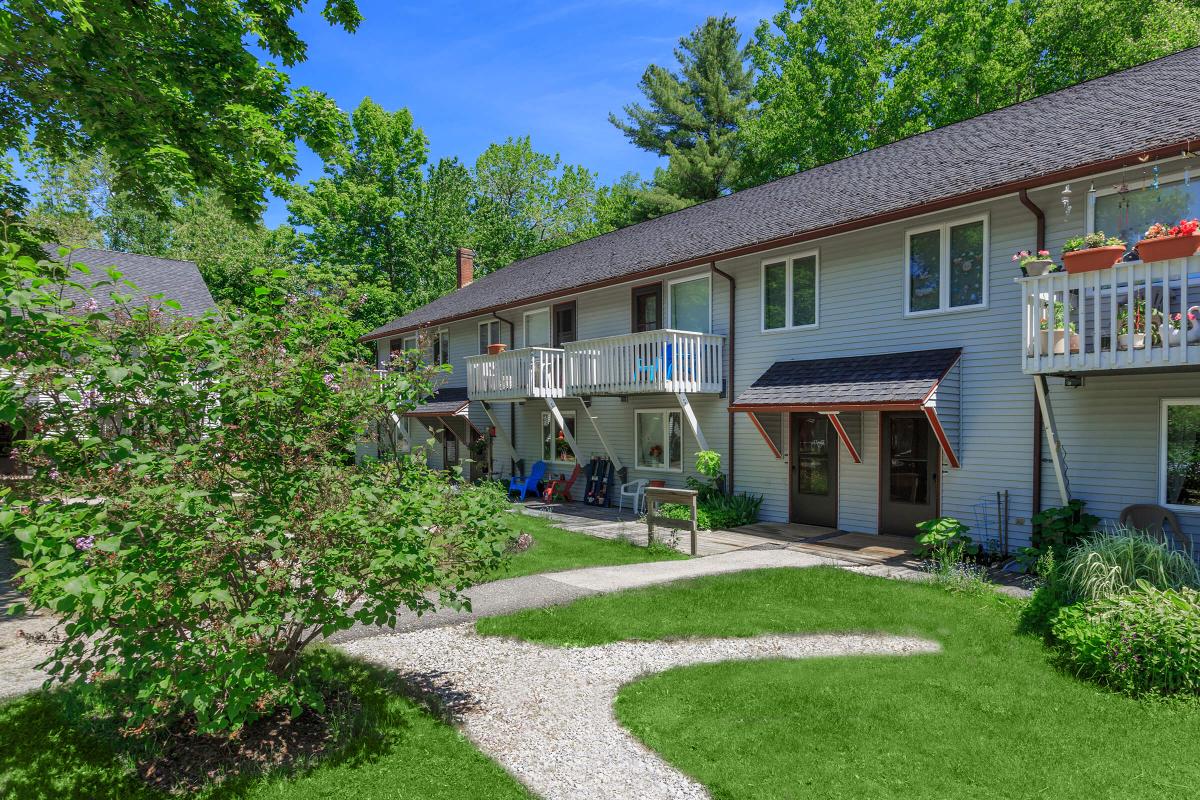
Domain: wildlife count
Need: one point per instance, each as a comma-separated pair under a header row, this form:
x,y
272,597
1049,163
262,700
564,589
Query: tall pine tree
x,y
693,118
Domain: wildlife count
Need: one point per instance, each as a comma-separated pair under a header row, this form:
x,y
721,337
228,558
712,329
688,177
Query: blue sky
x,y
473,73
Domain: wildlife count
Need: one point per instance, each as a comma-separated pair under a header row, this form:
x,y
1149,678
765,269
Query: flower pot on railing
x,y
1054,343
496,349
1038,267
1139,341
1164,248
1092,259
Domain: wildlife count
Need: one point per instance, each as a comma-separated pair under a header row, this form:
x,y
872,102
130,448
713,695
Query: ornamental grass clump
x,y
196,516
1114,561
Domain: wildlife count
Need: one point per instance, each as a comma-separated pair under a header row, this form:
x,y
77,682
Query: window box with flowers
x,y
1162,243
1035,263
1092,252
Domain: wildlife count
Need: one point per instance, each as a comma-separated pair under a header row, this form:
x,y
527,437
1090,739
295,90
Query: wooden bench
x,y
684,497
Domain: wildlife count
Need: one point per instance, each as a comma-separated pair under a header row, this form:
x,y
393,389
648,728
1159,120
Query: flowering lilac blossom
x,y
85,542
54,474
91,306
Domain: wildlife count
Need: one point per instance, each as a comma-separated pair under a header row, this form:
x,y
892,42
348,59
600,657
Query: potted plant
x,y
497,348
1092,252
1034,264
1055,340
1161,243
1139,325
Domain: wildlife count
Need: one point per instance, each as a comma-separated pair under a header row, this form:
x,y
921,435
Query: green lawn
x,y
989,717
394,751
555,549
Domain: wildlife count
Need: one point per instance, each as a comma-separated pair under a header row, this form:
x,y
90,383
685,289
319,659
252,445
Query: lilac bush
x,y
196,515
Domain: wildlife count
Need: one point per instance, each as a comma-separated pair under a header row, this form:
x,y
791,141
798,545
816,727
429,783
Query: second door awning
x,y
917,380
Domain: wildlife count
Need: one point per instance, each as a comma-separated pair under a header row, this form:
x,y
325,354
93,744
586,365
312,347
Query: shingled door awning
x,y
920,380
446,402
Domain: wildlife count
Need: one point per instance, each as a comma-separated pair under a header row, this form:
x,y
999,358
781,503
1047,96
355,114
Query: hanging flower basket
x,y
1163,243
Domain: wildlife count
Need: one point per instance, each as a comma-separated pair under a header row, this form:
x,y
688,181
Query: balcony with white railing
x,y
1134,315
649,362
516,374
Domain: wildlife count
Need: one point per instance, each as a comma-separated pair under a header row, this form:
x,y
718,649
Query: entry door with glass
x,y
814,471
647,308
909,473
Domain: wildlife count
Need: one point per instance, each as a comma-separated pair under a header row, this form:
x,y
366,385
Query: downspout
x,y
512,407
729,371
1036,488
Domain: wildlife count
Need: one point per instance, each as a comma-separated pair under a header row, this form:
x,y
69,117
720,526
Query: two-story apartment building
x,y
855,339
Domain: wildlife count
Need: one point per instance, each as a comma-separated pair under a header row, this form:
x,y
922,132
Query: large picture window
x,y
789,292
537,328
946,267
554,443
691,304
659,436
1129,214
1181,453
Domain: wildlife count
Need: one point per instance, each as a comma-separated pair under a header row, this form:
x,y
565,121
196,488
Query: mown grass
x,y
390,748
990,716
555,549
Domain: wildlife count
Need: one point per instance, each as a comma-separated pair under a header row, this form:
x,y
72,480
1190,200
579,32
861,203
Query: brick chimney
x,y
466,266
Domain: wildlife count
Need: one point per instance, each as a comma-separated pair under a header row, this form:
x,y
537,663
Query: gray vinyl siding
x,y
862,312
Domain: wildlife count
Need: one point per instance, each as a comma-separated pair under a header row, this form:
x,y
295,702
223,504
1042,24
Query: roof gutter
x,y
1072,173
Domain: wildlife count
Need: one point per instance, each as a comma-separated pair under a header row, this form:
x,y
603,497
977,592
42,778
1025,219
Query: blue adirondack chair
x,y
528,485
652,365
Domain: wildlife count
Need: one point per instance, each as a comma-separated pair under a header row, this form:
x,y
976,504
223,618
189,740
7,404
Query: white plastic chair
x,y
636,491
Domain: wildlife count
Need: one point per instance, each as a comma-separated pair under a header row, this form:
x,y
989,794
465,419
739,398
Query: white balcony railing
x,y
516,374
654,361
1134,315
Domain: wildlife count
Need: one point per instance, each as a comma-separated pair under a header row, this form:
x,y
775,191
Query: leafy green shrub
x,y
718,511
1114,561
1037,616
944,540
1143,643
195,514
1058,529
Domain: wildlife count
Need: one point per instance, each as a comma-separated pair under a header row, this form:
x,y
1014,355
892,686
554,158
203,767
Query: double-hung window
x,y
440,343
489,333
554,443
789,292
658,435
946,267
1180,466
690,304
537,328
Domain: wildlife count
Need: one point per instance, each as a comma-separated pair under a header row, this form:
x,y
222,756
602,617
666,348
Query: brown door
x,y
908,490
449,447
647,308
813,457
564,323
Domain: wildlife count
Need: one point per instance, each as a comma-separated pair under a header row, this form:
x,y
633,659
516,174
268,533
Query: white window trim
x,y
1162,454
789,262
944,264
554,434
440,335
549,324
667,301
637,448
499,333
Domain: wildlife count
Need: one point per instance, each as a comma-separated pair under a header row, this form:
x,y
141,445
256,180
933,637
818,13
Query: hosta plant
x,y
196,516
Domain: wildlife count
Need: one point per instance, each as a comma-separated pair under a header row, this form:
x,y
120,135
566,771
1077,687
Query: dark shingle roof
x,y
1135,111
173,279
880,379
446,401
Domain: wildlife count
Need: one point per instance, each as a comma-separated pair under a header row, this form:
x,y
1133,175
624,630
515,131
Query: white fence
x,y
516,374
1130,316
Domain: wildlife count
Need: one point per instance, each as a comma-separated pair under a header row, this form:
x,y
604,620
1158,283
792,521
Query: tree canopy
x,y
693,117
172,92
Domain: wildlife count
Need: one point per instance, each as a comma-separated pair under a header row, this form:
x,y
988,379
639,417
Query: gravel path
x,y
545,713
25,639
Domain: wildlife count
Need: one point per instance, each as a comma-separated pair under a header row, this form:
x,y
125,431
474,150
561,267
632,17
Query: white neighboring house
x,y
173,279
855,340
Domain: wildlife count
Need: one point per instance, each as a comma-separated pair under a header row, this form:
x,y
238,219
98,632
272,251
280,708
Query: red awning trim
x,y
940,433
762,432
843,435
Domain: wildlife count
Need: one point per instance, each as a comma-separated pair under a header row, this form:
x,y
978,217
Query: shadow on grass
x,y
53,748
